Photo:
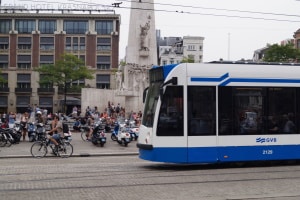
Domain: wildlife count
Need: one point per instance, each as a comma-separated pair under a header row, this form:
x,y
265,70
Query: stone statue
x,y
119,80
143,36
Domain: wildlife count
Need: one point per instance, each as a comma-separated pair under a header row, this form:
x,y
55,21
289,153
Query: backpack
x,y
65,128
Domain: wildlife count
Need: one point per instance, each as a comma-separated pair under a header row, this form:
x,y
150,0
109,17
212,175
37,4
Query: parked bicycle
x,y
64,149
85,130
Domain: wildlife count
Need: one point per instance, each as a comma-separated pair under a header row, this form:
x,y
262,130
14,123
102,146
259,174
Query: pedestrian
x,y
11,119
24,120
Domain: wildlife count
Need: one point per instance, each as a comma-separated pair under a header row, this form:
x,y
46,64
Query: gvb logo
x,y
266,140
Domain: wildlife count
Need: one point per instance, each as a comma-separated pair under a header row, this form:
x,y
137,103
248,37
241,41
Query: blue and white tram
x,y
212,112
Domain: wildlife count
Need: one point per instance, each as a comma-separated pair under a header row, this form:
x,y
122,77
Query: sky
x,y
232,29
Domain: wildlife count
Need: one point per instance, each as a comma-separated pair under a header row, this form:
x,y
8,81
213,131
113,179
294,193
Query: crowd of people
x,y
110,115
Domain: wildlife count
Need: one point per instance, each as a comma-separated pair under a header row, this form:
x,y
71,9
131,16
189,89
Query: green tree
x,y
67,69
188,59
281,53
2,80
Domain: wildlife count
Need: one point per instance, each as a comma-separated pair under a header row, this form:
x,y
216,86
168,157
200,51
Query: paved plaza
x,y
80,148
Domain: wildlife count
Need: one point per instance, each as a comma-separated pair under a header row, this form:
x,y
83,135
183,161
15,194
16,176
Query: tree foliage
x,y
188,59
282,53
2,80
67,69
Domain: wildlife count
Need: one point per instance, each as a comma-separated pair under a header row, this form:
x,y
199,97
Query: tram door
x,y
201,124
170,129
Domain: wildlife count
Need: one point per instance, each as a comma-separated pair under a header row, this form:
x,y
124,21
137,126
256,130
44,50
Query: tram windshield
x,y
156,79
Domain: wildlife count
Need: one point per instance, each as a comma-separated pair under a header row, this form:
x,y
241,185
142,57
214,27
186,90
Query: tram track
x,y
143,176
87,178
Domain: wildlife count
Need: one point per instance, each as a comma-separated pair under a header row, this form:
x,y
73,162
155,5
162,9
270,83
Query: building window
x,y
45,85
46,59
75,43
47,26
3,102
82,57
82,43
103,62
191,48
4,84
3,61
22,103
25,26
47,43
24,61
5,26
103,44
298,44
172,61
164,62
4,43
200,48
24,42
191,57
23,81
103,81
104,27
68,43
46,102
200,58
75,27
80,83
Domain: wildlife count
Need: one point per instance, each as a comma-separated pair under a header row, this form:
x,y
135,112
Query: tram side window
x,y
170,121
283,111
258,110
201,110
241,110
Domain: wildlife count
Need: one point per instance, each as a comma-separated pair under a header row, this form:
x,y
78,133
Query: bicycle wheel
x,y
9,140
65,150
38,149
84,134
3,140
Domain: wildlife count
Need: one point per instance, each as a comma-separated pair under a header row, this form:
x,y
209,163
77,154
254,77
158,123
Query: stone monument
x,y
141,53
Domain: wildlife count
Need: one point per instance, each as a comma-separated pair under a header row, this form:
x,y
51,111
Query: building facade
x,y
173,50
31,38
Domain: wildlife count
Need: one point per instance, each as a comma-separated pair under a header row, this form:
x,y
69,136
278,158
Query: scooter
x,y
40,131
114,133
134,133
123,136
31,131
98,136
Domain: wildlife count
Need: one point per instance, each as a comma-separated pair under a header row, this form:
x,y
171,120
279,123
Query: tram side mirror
x,y
174,81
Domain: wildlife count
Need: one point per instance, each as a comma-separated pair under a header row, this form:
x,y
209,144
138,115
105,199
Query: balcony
x,y
4,90
70,90
23,90
46,90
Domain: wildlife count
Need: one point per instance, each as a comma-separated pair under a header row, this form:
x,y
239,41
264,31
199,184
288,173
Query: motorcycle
x,y
98,136
31,129
17,131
